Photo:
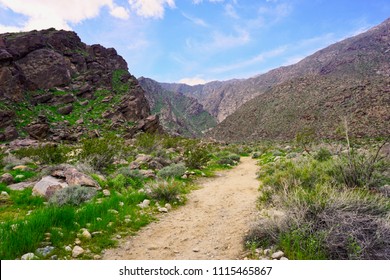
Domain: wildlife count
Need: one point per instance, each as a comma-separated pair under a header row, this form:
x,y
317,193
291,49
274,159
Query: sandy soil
x,y
211,225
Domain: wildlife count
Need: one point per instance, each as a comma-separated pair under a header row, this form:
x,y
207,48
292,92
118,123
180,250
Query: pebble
x,y
86,234
68,248
196,250
284,259
28,256
163,210
118,236
106,193
4,194
168,206
54,257
45,251
277,255
77,251
77,241
97,257
267,252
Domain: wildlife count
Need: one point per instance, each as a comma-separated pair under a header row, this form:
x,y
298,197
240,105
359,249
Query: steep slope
x,y
361,56
179,114
350,79
53,86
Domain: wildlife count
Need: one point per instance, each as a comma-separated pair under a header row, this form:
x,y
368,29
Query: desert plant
x,y
147,142
196,157
47,154
167,191
72,196
322,154
173,170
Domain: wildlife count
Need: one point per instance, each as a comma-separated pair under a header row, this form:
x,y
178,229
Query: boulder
x,y
10,133
77,251
75,178
48,185
7,179
21,186
66,110
38,131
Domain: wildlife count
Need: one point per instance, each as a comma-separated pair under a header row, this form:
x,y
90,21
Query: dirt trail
x,y
210,226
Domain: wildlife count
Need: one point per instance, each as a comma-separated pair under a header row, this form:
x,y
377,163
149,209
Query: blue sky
x,y
196,41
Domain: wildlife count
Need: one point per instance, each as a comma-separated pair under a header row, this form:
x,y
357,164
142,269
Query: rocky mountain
x,y
179,114
55,87
362,57
347,80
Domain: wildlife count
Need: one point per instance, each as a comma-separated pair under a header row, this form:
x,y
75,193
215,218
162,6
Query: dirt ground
x,y
211,225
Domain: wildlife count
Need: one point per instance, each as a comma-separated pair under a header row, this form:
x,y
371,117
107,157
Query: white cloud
x,y
58,14
231,12
196,2
151,8
195,20
193,81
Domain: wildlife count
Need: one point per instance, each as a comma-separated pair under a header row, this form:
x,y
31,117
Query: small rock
x,y
54,257
168,206
121,203
86,234
106,193
77,241
4,194
259,251
163,210
284,259
144,204
21,167
6,178
28,256
118,236
19,177
68,248
277,255
97,257
196,250
77,251
127,221
44,251
267,252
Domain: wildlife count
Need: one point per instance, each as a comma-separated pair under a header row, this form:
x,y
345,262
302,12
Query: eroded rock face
x,y
36,65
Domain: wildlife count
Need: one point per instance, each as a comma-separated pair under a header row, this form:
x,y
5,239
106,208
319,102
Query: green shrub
x,y
147,142
196,157
100,152
323,155
173,170
72,196
119,182
167,191
47,154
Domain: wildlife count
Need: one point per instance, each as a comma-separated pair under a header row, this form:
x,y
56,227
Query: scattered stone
x,y
28,256
44,252
68,248
277,255
54,257
163,210
168,206
148,174
118,236
144,204
284,259
80,121
19,177
77,251
76,178
4,194
7,179
196,250
86,234
21,167
267,252
77,241
106,192
97,257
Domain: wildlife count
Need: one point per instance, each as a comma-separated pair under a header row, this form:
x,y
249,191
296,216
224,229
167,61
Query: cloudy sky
x,y
196,41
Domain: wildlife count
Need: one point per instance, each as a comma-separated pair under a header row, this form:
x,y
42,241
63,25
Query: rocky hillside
x,y
179,114
347,80
363,55
55,87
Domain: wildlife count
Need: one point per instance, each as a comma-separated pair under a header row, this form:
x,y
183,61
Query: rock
x,y
148,174
162,210
97,257
21,167
7,179
118,236
21,186
168,206
22,143
68,248
44,252
54,257
10,133
48,185
77,251
277,255
66,110
38,131
28,256
86,234
19,177
267,252
77,241
4,194
284,259
141,158
106,192
144,204
75,178
127,221
196,250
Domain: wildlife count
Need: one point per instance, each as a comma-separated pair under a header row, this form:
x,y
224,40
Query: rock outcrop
x,y
49,78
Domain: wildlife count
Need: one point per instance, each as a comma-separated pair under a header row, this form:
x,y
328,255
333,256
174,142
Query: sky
x,y
197,41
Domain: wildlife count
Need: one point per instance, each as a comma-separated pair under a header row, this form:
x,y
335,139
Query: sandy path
x,y
210,226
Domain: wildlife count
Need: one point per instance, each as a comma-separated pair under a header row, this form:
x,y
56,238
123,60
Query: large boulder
x,y
73,177
48,185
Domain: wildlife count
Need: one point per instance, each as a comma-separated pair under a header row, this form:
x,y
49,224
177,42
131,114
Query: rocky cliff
x,y
179,114
53,86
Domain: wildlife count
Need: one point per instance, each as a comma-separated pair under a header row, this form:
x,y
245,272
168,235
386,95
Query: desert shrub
x,y
196,157
323,155
118,182
167,191
256,155
170,142
173,170
130,173
100,152
72,196
147,142
47,154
